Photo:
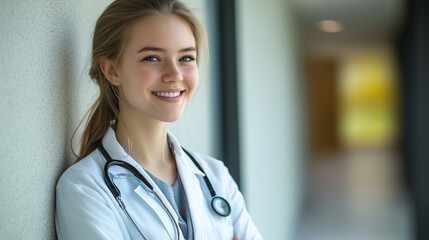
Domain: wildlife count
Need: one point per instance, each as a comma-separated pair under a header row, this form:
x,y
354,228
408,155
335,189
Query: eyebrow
x,y
157,49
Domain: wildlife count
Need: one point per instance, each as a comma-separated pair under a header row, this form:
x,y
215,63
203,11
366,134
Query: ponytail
x,y
102,114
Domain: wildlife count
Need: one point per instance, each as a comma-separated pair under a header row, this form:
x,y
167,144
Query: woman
x,y
145,62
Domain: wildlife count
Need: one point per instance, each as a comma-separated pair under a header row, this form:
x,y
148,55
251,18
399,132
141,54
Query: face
x,y
158,73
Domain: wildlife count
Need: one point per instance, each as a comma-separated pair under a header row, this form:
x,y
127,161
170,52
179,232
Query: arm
x,y
82,213
244,228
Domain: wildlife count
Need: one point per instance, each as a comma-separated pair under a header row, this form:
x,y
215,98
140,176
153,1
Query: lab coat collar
x,y
196,199
184,165
113,147
180,155
116,151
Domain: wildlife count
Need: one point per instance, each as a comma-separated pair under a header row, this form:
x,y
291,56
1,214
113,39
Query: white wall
x,y
270,117
44,92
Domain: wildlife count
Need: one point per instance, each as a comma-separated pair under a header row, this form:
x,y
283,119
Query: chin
x,y
169,115
170,119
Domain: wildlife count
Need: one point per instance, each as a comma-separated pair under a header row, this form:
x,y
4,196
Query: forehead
x,y
170,32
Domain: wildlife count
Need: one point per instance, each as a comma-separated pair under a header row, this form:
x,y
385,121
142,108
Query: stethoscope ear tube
x,y
219,204
206,179
112,187
111,162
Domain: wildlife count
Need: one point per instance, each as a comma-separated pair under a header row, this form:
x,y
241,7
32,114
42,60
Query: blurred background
x,y
319,108
332,116
355,170
364,77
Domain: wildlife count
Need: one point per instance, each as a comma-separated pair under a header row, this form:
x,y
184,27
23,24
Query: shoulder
x,y
214,168
207,161
86,172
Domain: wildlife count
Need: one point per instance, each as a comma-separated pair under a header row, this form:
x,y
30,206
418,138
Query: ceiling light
x,y
330,26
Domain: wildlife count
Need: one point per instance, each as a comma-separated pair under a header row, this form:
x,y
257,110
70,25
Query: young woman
x,y
133,180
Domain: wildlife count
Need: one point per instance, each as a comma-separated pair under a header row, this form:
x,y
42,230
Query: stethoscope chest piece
x,y
221,206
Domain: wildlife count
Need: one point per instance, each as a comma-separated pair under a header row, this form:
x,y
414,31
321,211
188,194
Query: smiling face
x,y
158,71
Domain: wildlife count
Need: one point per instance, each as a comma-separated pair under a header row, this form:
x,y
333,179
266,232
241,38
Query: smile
x,y
167,94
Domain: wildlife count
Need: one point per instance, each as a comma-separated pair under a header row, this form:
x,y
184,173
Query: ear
x,y
109,70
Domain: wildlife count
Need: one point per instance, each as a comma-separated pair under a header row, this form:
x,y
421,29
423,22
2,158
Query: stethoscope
x,y
219,204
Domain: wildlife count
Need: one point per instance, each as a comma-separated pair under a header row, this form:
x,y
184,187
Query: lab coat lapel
x,y
150,198
116,151
157,207
194,195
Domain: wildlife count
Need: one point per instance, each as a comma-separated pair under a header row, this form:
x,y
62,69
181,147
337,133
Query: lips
x,y
169,95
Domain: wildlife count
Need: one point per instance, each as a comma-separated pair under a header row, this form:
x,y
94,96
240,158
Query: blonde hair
x,y
110,37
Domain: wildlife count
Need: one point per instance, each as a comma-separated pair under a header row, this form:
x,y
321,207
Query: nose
x,y
172,72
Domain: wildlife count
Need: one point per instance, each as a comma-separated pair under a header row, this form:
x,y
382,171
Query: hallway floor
x,y
355,196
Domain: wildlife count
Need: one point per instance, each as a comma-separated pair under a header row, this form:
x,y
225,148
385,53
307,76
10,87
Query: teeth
x,y
167,94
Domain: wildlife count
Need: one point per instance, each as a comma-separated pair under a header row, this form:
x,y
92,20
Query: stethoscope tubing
x,y
117,193
211,189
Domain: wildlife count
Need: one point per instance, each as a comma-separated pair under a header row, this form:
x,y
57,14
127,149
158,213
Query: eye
x,y
187,59
150,59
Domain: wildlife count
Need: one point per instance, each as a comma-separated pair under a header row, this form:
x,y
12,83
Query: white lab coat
x,y
86,209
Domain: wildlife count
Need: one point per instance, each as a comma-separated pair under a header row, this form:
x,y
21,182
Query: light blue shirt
x,y
176,196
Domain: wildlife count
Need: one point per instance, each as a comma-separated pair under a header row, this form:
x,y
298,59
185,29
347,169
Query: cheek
x,y
137,82
192,78
145,76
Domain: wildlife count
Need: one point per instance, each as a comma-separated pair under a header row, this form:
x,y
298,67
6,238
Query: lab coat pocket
x,y
221,232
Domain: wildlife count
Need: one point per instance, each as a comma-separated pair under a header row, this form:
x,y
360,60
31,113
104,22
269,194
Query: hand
x,y
236,238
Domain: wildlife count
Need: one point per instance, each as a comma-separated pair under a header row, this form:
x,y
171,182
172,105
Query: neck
x,y
145,140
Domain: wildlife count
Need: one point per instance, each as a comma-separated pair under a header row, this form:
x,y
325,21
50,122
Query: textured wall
x,y
44,93
44,90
